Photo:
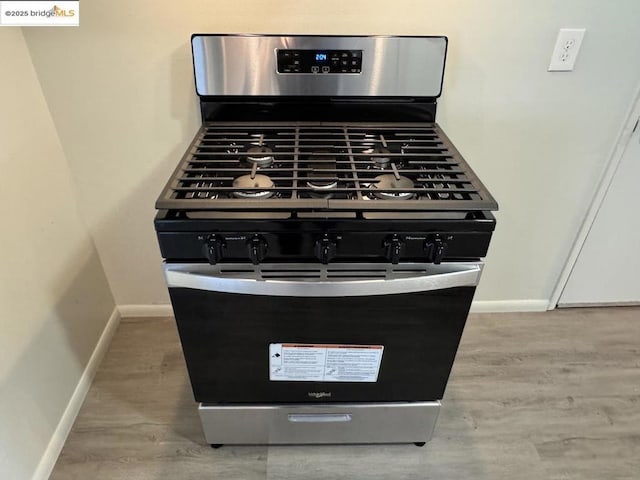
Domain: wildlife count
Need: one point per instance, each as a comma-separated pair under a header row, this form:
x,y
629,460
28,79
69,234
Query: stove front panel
x,y
295,246
228,338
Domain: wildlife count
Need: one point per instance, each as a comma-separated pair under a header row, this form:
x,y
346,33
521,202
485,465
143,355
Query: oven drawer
x,y
232,318
333,423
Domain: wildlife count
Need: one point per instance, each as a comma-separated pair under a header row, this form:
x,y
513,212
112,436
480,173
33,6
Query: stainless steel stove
x,y
322,239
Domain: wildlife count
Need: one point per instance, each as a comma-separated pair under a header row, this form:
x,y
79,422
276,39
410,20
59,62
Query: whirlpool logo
x,y
319,394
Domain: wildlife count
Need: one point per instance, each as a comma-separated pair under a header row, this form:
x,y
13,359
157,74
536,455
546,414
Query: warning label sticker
x,y
305,362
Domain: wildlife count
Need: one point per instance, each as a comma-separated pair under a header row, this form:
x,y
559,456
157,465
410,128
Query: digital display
x,y
318,62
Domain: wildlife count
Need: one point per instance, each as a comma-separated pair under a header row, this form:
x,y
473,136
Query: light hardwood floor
x,y
552,395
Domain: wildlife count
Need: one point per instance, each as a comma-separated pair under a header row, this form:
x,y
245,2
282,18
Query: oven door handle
x,y
214,278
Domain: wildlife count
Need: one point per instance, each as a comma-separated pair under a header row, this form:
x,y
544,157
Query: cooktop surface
x,y
298,166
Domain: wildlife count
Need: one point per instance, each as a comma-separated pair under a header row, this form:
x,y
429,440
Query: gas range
x,y
321,193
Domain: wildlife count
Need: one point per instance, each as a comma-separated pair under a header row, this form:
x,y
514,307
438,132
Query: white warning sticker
x,y
305,362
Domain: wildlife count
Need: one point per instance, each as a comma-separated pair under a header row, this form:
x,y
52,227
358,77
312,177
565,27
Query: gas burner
x,y
260,155
321,189
378,156
255,182
390,181
323,164
319,186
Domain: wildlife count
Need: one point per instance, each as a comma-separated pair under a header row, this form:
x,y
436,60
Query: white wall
x,y
54,296
120,90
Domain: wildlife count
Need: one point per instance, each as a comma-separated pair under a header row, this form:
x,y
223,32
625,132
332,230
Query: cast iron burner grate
x,y
304,166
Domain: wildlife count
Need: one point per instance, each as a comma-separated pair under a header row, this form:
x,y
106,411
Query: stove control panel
x,y
324,246
319,61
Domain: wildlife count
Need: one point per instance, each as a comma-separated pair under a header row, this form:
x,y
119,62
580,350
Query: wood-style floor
x,y
551,395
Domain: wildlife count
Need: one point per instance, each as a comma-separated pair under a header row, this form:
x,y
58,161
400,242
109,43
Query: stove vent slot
x,y
322,274
408,270
287,276
288,270
357,273
285,273
360,276
291,275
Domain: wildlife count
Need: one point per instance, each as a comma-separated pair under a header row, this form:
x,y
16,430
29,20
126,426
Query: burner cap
x,y
259,181
379,157
260,155
322,164
318,185
321,189
388,182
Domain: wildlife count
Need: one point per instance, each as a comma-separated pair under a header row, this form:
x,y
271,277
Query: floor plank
x,y
552,395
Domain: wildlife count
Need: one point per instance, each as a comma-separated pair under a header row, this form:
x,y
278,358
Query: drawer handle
x,y
320,417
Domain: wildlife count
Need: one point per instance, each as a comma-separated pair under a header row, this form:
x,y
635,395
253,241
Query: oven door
x,y
292,333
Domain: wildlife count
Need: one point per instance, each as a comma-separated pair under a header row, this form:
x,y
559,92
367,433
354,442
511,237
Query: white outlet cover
x,y
566,49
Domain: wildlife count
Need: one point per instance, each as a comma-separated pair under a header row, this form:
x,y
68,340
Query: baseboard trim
x,y
496,306
598,304
52,452
480,306
155,310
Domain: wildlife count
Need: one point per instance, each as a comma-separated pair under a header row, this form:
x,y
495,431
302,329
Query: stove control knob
x,y
325,249
394,247
214,249
435,249
257,249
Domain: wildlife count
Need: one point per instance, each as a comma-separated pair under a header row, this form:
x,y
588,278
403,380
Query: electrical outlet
x,y
566,49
